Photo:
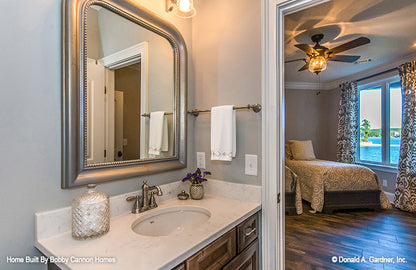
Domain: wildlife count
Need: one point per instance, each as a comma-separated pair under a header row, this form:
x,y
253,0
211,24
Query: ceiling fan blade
x,y
306,48
305,67
300,59
349,45
344,58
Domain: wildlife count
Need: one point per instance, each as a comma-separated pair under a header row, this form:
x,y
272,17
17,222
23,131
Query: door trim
x,y
134,54
273,231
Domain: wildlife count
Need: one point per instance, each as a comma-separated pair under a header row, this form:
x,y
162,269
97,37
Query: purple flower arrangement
x,y
197,177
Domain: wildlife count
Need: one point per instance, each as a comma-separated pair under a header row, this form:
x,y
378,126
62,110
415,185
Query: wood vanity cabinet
x,y
237,249
215,255
180,267
247,260
247,232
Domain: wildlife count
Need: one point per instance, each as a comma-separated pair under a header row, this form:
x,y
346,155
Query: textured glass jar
x,y
196,191
90,214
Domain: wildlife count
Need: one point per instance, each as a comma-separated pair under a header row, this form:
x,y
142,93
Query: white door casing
x,y
273,214
134,54
109,114
118,126
95,112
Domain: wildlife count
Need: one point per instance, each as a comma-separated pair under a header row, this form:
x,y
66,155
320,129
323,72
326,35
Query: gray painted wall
x,y
30,122
95,48
313,116
227,60
391,178
160,67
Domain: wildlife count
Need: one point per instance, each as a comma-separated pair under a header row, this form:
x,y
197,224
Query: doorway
x,y
273,121
127,82
274,99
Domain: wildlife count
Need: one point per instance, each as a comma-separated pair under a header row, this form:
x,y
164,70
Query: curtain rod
x,y
374,75
377,74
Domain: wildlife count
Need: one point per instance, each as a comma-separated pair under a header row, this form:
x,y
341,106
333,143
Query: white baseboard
x,y
390,196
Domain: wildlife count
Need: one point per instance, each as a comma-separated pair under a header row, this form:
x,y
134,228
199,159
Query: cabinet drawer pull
x,y
250,232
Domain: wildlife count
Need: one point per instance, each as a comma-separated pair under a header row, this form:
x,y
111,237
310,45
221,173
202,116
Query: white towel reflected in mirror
x,y
158,134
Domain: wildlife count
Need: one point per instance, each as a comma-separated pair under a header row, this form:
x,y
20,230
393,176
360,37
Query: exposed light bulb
x,y
184,5
185,9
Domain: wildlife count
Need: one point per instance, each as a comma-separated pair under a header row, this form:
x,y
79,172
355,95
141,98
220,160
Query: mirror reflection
x,y
130,90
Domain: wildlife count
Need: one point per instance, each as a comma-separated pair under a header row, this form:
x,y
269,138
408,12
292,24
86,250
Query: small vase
x,y
196,191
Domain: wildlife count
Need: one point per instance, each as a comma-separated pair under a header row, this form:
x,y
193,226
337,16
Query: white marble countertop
x,y
134,251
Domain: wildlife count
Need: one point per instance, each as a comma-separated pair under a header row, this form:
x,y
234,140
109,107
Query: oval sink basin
x,y
170,220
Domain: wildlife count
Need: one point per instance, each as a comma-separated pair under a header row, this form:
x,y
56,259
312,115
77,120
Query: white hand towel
x,y
158,133
223,135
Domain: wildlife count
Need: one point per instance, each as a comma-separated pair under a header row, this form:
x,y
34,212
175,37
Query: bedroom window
x,y
380,122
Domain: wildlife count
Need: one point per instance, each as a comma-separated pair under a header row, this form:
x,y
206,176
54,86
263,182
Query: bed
x,y
293,197
329,185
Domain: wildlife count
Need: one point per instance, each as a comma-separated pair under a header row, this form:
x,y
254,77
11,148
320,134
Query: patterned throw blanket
x,y
318,176
292,184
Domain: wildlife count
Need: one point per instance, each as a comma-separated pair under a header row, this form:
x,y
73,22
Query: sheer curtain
x,y
348,123
405,195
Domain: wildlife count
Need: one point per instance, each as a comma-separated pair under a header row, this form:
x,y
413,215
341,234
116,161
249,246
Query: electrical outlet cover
x,y
251,165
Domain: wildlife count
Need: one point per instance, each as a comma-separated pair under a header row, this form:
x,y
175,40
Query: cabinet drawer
x,y
216,255
180,267
247,260
247,232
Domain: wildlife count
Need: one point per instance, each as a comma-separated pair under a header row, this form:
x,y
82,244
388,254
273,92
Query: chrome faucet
x,y
146,203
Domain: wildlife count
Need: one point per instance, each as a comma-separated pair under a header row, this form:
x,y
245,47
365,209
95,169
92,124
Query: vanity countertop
x,y
134,251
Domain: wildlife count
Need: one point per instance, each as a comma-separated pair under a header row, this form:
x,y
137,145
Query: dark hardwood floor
x,y
313,239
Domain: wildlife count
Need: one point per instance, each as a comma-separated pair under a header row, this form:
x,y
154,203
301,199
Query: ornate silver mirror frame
x,y
75,171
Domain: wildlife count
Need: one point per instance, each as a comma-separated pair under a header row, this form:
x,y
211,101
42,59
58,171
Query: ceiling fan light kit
x,y
317,64
319,55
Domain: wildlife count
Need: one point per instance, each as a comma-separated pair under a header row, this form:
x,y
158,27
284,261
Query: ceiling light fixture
x,y
181,8
317,64
318,55
414,44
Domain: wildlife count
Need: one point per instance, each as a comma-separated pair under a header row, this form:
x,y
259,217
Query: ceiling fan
x,y
318,55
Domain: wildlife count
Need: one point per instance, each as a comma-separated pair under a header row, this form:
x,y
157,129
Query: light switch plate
x,y
124,141
200,160
251,165
384,183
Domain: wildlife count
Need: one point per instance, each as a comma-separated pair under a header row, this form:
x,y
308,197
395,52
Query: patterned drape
x,y
348,123
405,198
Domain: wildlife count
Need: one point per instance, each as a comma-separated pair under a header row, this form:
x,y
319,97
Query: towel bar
x,y
255,107
148,114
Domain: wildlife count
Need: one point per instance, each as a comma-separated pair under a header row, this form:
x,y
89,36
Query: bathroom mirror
x,y
124,100
129,74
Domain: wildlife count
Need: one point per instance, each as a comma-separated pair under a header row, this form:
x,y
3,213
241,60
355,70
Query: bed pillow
x,y
288,153
302,150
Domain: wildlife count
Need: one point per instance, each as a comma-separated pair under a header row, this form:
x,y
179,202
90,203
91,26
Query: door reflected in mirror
x,y
130,73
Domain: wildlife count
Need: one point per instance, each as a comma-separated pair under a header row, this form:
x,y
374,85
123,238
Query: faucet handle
x,y
132,198
152,203
136,206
